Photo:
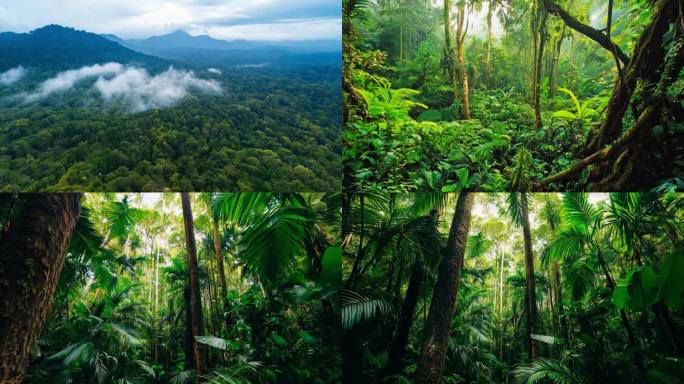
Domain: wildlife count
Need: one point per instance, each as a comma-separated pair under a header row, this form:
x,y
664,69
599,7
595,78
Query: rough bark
x,y
31,259
531,293
199,350
438,326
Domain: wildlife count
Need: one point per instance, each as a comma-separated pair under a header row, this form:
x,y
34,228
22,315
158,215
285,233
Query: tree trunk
x,y
187,330
559,301
540,40
449,50
488,64
438,327
529,279
199,350
460,39
32,255
405,319
221,271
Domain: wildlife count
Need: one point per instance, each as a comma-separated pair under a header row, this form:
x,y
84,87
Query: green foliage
x,y
546,370
357,308
272,130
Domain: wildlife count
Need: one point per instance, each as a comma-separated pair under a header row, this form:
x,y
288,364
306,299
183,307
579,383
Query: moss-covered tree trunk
x,y
32,252
438,326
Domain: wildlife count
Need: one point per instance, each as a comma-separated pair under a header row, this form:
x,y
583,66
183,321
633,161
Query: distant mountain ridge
x,y
182,39
59,47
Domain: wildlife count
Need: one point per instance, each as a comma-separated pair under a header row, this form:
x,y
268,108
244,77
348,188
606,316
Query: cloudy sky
x,y
223,19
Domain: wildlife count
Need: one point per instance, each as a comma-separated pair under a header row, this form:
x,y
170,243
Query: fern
x,y
546,371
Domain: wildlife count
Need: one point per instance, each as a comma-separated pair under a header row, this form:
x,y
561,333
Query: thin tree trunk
x,y
32,255
529,278
460,39
445,293
488,64
539,52
398,348
221,271
449,50
199,350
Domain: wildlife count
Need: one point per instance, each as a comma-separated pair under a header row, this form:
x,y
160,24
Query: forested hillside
x,y
499,95
169,288
71,121
513,288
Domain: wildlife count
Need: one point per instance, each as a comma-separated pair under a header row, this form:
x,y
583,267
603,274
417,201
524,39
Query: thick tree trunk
x,y
405,319
32,255
449,50
460,39
436,338
199,350
531,293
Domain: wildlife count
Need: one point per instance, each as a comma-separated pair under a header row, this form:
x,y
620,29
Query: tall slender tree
x,y
519,211
461,31
449,50
199,350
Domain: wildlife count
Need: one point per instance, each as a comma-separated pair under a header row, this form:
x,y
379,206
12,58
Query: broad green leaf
x,y
671,280
279,340
331,266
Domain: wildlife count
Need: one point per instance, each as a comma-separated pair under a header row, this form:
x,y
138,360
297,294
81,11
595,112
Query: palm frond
x,y
357,308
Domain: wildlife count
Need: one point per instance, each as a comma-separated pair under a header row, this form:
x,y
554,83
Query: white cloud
x,y
133,85
214,71
66,80
295,29
142,91
12,76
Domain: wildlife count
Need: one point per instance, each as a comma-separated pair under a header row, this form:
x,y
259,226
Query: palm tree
x,y
580,236
438,326
195,296
32,251
519,212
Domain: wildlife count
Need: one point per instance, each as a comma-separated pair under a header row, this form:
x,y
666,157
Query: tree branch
x,y
586,30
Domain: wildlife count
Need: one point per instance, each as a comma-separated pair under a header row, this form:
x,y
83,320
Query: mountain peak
x,y
180,32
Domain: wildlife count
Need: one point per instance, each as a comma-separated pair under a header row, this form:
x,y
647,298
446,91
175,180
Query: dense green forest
x,y
513,95
170,288
269,130
513,288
